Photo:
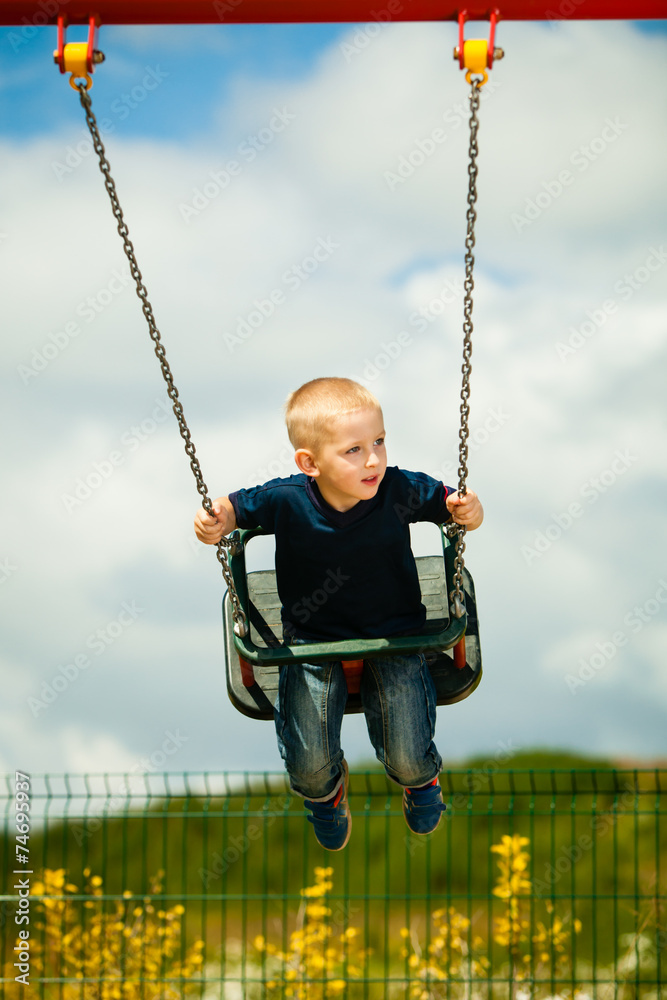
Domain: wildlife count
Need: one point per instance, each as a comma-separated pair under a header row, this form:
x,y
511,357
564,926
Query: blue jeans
x,y
399,701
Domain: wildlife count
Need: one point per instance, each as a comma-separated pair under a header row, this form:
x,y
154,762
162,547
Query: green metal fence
x,y
538,883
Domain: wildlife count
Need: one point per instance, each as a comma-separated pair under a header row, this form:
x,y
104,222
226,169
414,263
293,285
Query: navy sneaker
x,y
423,807
331,819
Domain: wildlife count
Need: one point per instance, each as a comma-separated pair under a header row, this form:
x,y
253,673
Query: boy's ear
x,y
306,463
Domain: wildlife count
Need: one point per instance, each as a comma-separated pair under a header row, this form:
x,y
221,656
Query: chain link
x,y
457,596
240,621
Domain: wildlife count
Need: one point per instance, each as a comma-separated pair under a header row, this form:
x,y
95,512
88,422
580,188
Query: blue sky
x,y
360,142
212,58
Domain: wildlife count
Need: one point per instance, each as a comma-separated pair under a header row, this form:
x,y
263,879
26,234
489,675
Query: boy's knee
x,y
412,772
408,777
316,782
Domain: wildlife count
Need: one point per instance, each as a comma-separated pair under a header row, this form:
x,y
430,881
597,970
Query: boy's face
x,y
350,465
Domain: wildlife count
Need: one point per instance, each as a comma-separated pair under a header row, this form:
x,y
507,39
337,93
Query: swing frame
x,y
13,12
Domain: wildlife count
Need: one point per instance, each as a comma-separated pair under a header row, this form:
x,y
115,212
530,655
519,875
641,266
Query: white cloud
x,y
93,753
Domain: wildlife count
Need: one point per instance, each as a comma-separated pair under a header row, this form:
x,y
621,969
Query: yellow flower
x,y
77,949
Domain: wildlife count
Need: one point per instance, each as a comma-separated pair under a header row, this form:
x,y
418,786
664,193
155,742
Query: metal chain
x,y
457,596
240,621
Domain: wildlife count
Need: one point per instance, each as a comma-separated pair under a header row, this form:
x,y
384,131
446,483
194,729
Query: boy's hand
x,y
211,529
466,510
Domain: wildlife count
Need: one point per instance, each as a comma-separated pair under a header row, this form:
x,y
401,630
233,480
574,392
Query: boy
x,y
342,530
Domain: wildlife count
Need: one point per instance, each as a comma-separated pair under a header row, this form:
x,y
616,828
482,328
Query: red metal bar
x,y
62,29
459,652
495,15
93,24
37,12
247,673
353,670
463,17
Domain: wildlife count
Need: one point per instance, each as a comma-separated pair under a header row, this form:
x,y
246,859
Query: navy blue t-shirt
x,y
345,574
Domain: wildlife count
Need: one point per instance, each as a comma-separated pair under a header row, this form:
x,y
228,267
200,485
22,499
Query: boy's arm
x,y
466,510
211,529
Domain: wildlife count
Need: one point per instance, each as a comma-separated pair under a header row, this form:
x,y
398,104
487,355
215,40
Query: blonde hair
x,y
311,409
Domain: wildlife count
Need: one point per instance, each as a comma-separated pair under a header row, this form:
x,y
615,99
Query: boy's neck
x,y
342,506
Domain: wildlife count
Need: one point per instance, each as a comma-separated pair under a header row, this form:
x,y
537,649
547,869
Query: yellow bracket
x,y
475,58
75,56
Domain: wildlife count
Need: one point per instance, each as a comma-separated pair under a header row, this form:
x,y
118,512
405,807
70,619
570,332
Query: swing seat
x,y
451,645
